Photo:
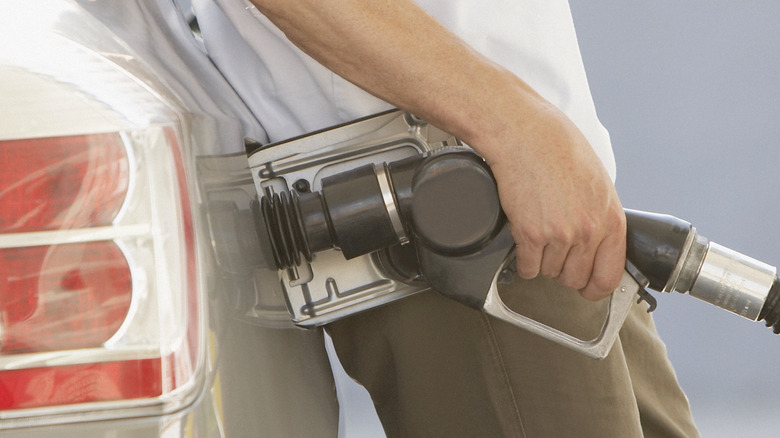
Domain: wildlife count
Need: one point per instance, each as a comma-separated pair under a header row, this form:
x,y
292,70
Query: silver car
x,y
124,192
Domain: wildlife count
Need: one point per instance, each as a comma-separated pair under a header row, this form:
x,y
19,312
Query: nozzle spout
x,y
733,281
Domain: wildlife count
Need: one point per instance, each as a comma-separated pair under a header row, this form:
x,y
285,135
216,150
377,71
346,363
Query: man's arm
x,y
563,209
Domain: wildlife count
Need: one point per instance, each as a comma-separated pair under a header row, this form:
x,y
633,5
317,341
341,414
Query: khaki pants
x,y
435,368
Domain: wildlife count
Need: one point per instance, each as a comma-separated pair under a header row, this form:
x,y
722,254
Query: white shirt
x,y
292,94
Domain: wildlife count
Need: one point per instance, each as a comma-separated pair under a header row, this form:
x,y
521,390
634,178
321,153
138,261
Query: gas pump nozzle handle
x,y
445,203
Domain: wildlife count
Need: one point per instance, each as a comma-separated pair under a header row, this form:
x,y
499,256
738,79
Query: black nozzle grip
x,y
654,244
466,278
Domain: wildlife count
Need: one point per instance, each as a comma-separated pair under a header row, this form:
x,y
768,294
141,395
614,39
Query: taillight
x,y
95,270
100,312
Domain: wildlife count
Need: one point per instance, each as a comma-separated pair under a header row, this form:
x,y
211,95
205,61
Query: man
x,y
507,79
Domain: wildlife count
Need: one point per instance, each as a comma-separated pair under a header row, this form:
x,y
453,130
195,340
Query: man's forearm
x,y
397,52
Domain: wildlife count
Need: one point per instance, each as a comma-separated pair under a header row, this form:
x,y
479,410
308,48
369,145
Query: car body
x,y
195,339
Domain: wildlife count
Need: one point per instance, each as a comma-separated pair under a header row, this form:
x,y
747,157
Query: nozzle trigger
x,y
643,282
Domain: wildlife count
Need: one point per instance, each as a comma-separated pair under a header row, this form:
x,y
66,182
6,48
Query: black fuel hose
x,y
770,313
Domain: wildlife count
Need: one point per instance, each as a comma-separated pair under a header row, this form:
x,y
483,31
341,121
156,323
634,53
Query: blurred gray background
x,y
690,92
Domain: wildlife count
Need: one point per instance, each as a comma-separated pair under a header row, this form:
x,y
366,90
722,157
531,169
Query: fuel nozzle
x,y
431,219
674,257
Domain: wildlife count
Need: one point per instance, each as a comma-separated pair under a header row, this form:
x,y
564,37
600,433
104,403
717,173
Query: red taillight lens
x,y
63,296
82,383
61,182
96,270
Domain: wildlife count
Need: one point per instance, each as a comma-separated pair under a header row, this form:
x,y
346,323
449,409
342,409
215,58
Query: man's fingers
x,y
577,268
555,252
608,266
529,256
553,258
592,261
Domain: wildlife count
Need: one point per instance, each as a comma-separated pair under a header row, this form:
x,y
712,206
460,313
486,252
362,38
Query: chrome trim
x,y
672,282
58,237
385,186
76,357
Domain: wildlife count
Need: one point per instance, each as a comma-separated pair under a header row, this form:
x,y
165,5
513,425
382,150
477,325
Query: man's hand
x,y
564,212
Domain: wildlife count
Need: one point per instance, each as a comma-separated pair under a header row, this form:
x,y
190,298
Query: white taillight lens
x,y
100,311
